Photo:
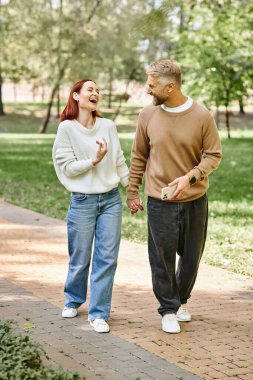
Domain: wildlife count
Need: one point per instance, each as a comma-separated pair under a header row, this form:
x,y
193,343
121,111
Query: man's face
x,y
157,90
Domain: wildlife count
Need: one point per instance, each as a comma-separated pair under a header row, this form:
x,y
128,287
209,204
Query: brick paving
x,y
217,344
73,344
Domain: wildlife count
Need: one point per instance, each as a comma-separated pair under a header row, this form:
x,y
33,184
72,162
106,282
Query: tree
x,y
211,40
221,64
12,59
117,45
72,40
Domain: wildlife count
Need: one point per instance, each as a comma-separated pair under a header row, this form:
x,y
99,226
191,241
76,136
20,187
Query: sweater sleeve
x,y
65,156
122,169
212,152
139,157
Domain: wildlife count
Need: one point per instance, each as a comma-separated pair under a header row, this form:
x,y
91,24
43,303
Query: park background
x,y
48,45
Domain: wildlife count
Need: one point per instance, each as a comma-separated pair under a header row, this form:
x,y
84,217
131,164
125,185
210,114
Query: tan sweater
x,y
169,145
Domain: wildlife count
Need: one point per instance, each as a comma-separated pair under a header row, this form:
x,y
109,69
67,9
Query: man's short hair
x,y
167,69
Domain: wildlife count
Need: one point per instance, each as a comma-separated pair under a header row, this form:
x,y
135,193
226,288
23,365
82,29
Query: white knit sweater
x,y
74,149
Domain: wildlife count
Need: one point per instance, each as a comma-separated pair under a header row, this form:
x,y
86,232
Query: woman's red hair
x,y
71,110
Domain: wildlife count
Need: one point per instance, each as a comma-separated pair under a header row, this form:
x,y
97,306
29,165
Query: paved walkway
x,y
217,344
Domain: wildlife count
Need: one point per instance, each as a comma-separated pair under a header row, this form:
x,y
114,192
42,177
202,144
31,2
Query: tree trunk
x,y
59,57
217,116
58,103
33,91
109,104
15,92
50,104
2,113
182,17
227,114
120,102
93,10
49,108
241,107
227,121
61,74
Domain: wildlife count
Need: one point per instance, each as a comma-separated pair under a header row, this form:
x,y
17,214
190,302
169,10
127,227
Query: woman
x,y
89,162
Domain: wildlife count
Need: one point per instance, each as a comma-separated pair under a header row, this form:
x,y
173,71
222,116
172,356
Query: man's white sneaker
x,y
69,312
170,324
100,325
183,314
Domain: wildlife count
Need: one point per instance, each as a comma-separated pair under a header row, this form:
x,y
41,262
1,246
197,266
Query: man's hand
x,y
182,186
102,150
134,205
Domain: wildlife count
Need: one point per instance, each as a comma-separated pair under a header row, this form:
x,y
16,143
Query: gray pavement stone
x,y
75,346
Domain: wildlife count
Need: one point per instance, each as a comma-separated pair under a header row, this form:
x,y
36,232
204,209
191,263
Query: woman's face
x,y
88,97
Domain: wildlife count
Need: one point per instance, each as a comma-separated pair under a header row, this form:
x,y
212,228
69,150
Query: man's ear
x,y
171,86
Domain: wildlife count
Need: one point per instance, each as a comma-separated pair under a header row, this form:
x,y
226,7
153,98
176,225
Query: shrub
x,y
21,359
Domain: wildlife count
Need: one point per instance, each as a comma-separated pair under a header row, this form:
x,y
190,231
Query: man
x,y
176,144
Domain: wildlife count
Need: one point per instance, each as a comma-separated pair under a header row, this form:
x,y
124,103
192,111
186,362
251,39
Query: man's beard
x,y
157,101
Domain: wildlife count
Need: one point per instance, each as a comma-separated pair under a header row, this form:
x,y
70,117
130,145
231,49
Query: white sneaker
x,y
100,325
183,314
170,324
69,312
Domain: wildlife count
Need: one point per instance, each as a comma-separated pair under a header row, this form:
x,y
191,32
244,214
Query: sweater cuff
x,y
124,181
197,174
132,195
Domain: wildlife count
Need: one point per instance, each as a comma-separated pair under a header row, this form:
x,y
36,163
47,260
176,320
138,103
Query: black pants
x,y
175,227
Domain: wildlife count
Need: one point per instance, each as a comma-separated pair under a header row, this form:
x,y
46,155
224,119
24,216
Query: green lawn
x,y
27,118
27,179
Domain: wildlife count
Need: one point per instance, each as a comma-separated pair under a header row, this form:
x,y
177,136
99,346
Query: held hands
x,y
134,205
102,150
182,186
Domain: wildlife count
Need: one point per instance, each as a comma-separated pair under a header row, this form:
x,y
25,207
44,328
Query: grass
x,y
27,118
27,179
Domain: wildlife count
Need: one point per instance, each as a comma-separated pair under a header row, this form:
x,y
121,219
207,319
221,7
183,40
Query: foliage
x,y
212,41
192,29
22,359
108,40
223,63
43,20
66,39
116,47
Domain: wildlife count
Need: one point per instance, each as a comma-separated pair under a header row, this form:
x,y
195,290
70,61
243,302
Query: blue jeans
x,y
93,218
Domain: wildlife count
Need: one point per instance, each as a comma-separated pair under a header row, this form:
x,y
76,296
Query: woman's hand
x,y
102,150
134,205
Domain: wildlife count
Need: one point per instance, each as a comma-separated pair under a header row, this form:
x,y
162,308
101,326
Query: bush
x,y
21,359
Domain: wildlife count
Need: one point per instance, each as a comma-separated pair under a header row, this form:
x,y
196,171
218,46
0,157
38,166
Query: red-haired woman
x,y
89,163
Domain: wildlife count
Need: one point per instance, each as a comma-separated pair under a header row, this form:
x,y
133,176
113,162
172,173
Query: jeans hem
x,y
169,312
92,317
73,305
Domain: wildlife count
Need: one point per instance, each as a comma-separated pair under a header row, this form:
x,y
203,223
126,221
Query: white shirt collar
x,y
181,108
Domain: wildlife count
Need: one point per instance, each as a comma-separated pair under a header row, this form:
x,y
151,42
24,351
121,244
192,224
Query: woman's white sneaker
x,y
100,325
170,324
69,312
183,314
